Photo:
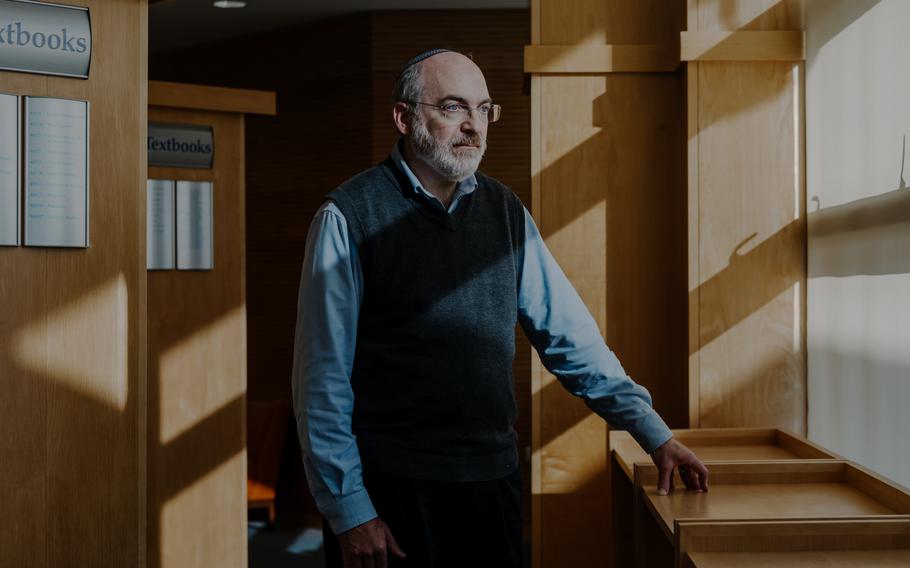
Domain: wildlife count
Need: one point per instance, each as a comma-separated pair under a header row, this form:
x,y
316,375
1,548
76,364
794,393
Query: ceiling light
x,y
230,4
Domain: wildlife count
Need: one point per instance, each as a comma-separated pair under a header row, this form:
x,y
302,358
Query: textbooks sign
x,y
180,145
49,39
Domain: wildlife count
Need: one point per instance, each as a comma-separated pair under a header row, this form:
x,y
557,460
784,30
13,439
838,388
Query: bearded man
x,y
415,274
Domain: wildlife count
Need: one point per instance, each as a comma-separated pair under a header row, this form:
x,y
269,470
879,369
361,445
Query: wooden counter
x,y
779,490
819,489
842,543
716,444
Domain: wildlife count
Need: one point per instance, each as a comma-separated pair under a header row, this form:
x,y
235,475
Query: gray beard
x,y
442,157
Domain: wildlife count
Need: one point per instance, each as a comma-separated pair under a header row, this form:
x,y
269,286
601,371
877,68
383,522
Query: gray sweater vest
x,y
432,377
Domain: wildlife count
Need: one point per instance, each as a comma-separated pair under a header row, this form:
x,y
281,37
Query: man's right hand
x,y
367,545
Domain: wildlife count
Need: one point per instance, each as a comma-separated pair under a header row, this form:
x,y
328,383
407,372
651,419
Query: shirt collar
x,y
464,187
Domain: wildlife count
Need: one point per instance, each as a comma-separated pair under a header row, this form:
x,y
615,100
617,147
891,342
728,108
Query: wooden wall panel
x,y
747,291
197,375
573,487
24,382
569,486
618,231
72,334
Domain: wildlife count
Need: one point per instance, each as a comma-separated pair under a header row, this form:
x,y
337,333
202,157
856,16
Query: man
x,y
415,273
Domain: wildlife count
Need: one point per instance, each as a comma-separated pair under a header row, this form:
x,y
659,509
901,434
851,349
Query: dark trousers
x,y
441,524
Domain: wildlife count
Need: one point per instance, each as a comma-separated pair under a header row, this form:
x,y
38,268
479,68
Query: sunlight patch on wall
x,y
568,467
57,346
189,381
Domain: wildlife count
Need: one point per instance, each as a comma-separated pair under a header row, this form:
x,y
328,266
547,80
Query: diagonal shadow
x,y
831,17
192,455
865,236
868,236
757,277
750,16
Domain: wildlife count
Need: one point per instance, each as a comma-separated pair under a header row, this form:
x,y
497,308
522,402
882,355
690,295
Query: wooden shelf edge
x,y
719,45
204,97
597,59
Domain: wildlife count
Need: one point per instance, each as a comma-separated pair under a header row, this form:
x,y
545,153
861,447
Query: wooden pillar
x,y
608,179
747,274
197,352
72,333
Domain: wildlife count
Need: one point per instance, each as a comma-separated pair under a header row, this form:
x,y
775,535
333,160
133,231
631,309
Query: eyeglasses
x,y
457,112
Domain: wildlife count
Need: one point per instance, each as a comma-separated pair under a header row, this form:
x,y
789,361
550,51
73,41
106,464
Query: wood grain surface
x,y
816,489
600,58
832,543
618,232
197,374
72,349
721,444
747,228
742,46
208,98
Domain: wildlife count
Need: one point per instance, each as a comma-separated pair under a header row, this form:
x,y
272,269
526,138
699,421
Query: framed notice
x,y
194,225
161,227
56,172
10,134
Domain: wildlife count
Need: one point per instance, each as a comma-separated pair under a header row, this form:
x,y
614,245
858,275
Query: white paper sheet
x,y
194,225
160,225
9,170
56,172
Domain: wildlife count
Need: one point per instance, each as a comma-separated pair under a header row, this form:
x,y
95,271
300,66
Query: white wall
x,y
857,112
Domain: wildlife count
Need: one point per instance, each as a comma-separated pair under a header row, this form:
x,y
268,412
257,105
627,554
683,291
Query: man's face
x,y
452,145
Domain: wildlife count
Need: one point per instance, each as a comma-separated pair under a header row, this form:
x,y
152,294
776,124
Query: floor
x,y
286,546
283,545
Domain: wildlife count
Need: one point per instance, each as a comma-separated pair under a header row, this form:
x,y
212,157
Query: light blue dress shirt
x,y
550,312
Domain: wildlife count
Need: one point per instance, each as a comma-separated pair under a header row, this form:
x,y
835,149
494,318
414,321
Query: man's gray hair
x,y
409,86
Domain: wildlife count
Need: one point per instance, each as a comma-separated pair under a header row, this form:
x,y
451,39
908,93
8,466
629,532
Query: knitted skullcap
x,y
421,57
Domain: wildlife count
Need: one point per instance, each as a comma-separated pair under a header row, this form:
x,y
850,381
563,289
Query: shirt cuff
x,y
651,432
350,511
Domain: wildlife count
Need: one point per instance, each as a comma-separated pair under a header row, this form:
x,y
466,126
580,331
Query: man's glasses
x,y
457,112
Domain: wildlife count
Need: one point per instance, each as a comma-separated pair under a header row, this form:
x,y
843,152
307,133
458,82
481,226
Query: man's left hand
x,y
692,471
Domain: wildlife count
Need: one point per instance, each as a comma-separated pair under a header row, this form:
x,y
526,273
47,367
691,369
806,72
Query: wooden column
x,y
72,333
197,352
747,275
608,178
